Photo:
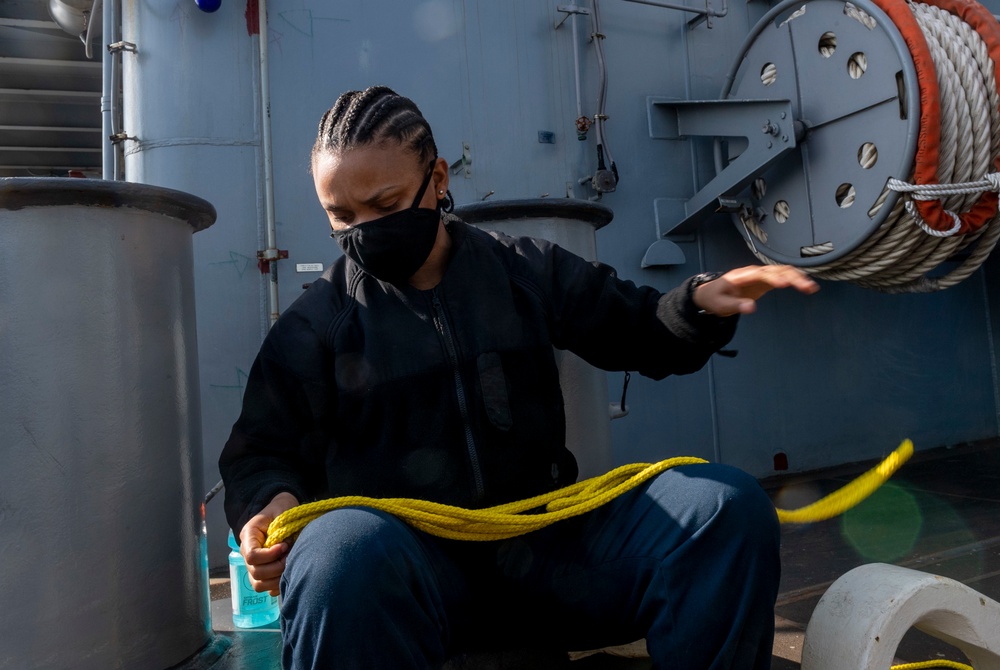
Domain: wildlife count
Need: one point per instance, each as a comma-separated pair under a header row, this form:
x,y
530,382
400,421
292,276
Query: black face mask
x,y
393,247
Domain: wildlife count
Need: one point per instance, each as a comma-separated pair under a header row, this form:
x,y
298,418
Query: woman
x,y
421,365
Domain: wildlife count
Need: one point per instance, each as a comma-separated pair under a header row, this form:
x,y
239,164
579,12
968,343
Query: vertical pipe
x,y
576,65
117,148
713,399
86,36
602,87
107,148
265,130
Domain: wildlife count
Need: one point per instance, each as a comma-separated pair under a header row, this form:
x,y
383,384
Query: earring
x,y
440,192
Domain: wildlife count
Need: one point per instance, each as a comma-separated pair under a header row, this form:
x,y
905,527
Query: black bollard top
x,y
19,192
536,208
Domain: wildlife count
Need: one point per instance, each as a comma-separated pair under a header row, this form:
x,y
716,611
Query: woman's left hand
x,y
737,291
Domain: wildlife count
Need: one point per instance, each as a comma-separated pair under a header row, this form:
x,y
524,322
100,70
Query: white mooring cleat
x,y
862,617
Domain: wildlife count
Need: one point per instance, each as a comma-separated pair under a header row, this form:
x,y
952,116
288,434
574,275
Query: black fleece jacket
x,y
452,394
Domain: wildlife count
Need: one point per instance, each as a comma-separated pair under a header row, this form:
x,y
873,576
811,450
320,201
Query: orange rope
x,y
929,139
983,22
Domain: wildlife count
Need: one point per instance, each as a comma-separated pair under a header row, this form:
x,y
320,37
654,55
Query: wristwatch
x,y
697,281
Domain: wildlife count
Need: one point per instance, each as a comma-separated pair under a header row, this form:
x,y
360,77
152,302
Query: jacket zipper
x,y
441,321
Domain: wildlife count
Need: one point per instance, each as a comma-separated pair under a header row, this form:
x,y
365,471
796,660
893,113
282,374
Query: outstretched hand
x,y
737,291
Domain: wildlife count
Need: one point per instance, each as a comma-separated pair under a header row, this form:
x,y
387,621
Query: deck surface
x,y
939,514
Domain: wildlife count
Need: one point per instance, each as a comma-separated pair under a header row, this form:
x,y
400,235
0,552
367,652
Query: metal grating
x,y
50,96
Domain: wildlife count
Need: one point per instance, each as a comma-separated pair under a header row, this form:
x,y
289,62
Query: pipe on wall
x,y
107,148
271,252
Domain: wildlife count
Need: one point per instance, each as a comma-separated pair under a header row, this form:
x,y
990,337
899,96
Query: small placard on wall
x,y
308,267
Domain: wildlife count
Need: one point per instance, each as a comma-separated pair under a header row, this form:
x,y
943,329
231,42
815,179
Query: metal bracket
x,y
705,15
266,256
463,163
570,10
769,130
662,252
122,46
118,138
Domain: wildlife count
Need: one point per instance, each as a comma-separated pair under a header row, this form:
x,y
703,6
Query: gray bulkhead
x,y
838,377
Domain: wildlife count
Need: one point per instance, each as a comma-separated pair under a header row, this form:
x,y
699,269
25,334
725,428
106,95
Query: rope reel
x,y
894,182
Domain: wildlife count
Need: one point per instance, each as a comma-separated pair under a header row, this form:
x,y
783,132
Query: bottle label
x,y
245,599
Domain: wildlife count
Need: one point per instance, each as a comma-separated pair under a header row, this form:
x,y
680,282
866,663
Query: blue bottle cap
x,y
208,5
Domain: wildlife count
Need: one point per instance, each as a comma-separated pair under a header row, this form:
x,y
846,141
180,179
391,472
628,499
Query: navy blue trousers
x,y
689,561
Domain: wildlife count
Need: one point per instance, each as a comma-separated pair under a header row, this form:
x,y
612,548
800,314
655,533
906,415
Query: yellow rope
x,y
510,520
847,497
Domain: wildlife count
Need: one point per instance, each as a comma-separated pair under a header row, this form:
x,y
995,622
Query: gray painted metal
x,y
823,194
49,115
810,50
190,102
765,128
572,225
837,377
101,459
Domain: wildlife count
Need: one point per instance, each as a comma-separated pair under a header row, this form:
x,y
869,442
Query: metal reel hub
x,y
855,106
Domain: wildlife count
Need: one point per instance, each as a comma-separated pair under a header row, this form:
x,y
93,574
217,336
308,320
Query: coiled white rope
x,y
900,254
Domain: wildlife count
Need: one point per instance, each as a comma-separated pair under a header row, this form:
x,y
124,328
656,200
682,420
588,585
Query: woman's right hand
x,y
265,565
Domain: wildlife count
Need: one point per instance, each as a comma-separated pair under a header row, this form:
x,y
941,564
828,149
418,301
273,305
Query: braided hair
x,y
373,116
